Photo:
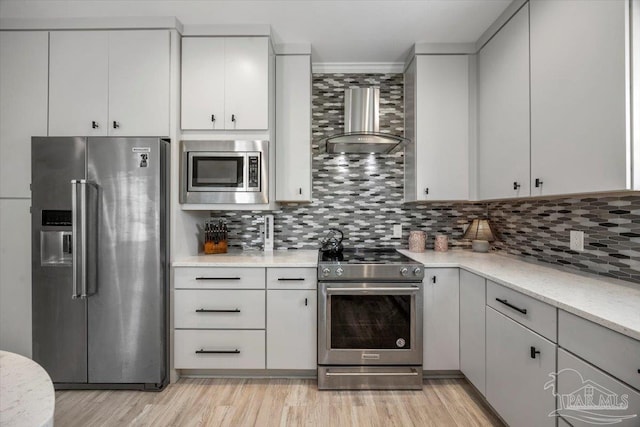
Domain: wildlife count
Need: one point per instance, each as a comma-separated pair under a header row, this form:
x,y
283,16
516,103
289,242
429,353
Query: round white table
x,y
27,397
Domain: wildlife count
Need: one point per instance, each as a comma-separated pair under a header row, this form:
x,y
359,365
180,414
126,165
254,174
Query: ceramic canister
x,y
442,243
417,241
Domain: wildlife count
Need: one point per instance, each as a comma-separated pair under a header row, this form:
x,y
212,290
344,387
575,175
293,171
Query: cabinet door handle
x,y
306,301
213,117
94,125
538,182
516,186
217,278
291,279
434,279
426,190
233,117
300,190
116,125
204,310
505,302
534,352
202,351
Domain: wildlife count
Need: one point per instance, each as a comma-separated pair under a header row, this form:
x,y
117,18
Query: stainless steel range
x,y
369,320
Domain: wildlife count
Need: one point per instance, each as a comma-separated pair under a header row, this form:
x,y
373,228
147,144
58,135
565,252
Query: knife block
x,y
211,247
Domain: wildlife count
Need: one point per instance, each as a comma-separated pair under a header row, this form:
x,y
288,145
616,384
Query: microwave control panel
x,y
254,172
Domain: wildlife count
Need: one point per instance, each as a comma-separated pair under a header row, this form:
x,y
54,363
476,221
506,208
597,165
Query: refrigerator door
x,y
59,322
126,321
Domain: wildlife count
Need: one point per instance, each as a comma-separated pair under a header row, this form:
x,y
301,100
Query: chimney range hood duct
x,y
361,125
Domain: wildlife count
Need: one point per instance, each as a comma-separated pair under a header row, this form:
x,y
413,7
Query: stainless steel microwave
x,y
224,172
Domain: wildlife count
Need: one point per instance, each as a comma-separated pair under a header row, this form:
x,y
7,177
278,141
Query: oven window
x,y
217,171
371,321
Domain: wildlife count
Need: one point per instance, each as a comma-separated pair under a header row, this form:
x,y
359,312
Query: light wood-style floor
x,y
274,402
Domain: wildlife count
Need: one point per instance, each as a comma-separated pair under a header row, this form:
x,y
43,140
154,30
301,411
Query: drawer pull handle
x,y
291,279
505,302
217,278
202,351
534,352
204,310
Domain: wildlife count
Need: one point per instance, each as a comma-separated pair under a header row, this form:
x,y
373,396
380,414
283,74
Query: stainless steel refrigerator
x,y
100,261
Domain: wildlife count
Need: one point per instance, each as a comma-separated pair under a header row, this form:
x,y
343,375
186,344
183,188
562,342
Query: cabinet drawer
x,y
533,314
219,278
584,381
236,349
611,351
223,309
292,278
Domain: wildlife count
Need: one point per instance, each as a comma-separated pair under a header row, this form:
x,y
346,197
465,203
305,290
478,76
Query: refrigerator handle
x,y
79,233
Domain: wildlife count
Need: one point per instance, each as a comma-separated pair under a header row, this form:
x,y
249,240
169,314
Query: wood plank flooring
x,y
274,402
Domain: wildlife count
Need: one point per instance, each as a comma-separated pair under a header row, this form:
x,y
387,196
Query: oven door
x,y
369,323
217,171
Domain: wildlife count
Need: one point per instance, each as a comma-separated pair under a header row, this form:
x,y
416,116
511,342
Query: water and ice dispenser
x,y
56,246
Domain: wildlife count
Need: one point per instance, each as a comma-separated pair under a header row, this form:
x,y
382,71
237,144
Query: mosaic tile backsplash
x,y
362,195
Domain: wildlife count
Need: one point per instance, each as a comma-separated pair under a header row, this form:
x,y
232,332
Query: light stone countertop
x,y
289,258
610,303
27,397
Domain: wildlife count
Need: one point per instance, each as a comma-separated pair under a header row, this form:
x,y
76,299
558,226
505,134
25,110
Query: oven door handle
x,y
375,290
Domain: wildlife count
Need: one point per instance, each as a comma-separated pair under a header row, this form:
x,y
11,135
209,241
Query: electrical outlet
x,y
397,231
576,240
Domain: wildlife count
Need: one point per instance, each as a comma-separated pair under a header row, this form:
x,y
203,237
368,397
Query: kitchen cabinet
x,y
472,328
219,318
109,83
225,83
292,318
24,57
441,331
518,365
503,111
579,97
437,126
293,128
15,276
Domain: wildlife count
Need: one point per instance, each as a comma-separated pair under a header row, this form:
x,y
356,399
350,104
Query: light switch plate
x,y
576,240
397,231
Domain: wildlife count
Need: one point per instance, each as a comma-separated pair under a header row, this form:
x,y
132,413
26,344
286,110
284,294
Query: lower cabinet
x,y
291,329
472,328
441,331
519,364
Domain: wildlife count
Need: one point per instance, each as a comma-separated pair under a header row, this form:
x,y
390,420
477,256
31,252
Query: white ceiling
x,y
339,31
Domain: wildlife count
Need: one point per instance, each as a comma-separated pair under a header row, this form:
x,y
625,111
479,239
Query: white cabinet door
x,y
24,65
15,276
515,380
202,83
503,111
291,329
442,127
78,83
472,328
578,96
139,83
246,71
293,128
441,334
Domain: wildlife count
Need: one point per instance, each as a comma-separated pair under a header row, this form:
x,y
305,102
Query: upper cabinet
x,y
23,105
503,111
437,125
113,83
293,128
579,97
225,83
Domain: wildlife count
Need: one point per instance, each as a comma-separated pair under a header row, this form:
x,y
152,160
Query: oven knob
x,y
404,271
325,272
417,271
339,271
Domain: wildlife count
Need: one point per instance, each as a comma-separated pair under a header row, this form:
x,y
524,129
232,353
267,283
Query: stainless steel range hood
x,y
362,125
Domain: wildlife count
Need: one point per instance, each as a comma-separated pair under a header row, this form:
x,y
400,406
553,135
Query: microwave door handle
x,y
245,171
